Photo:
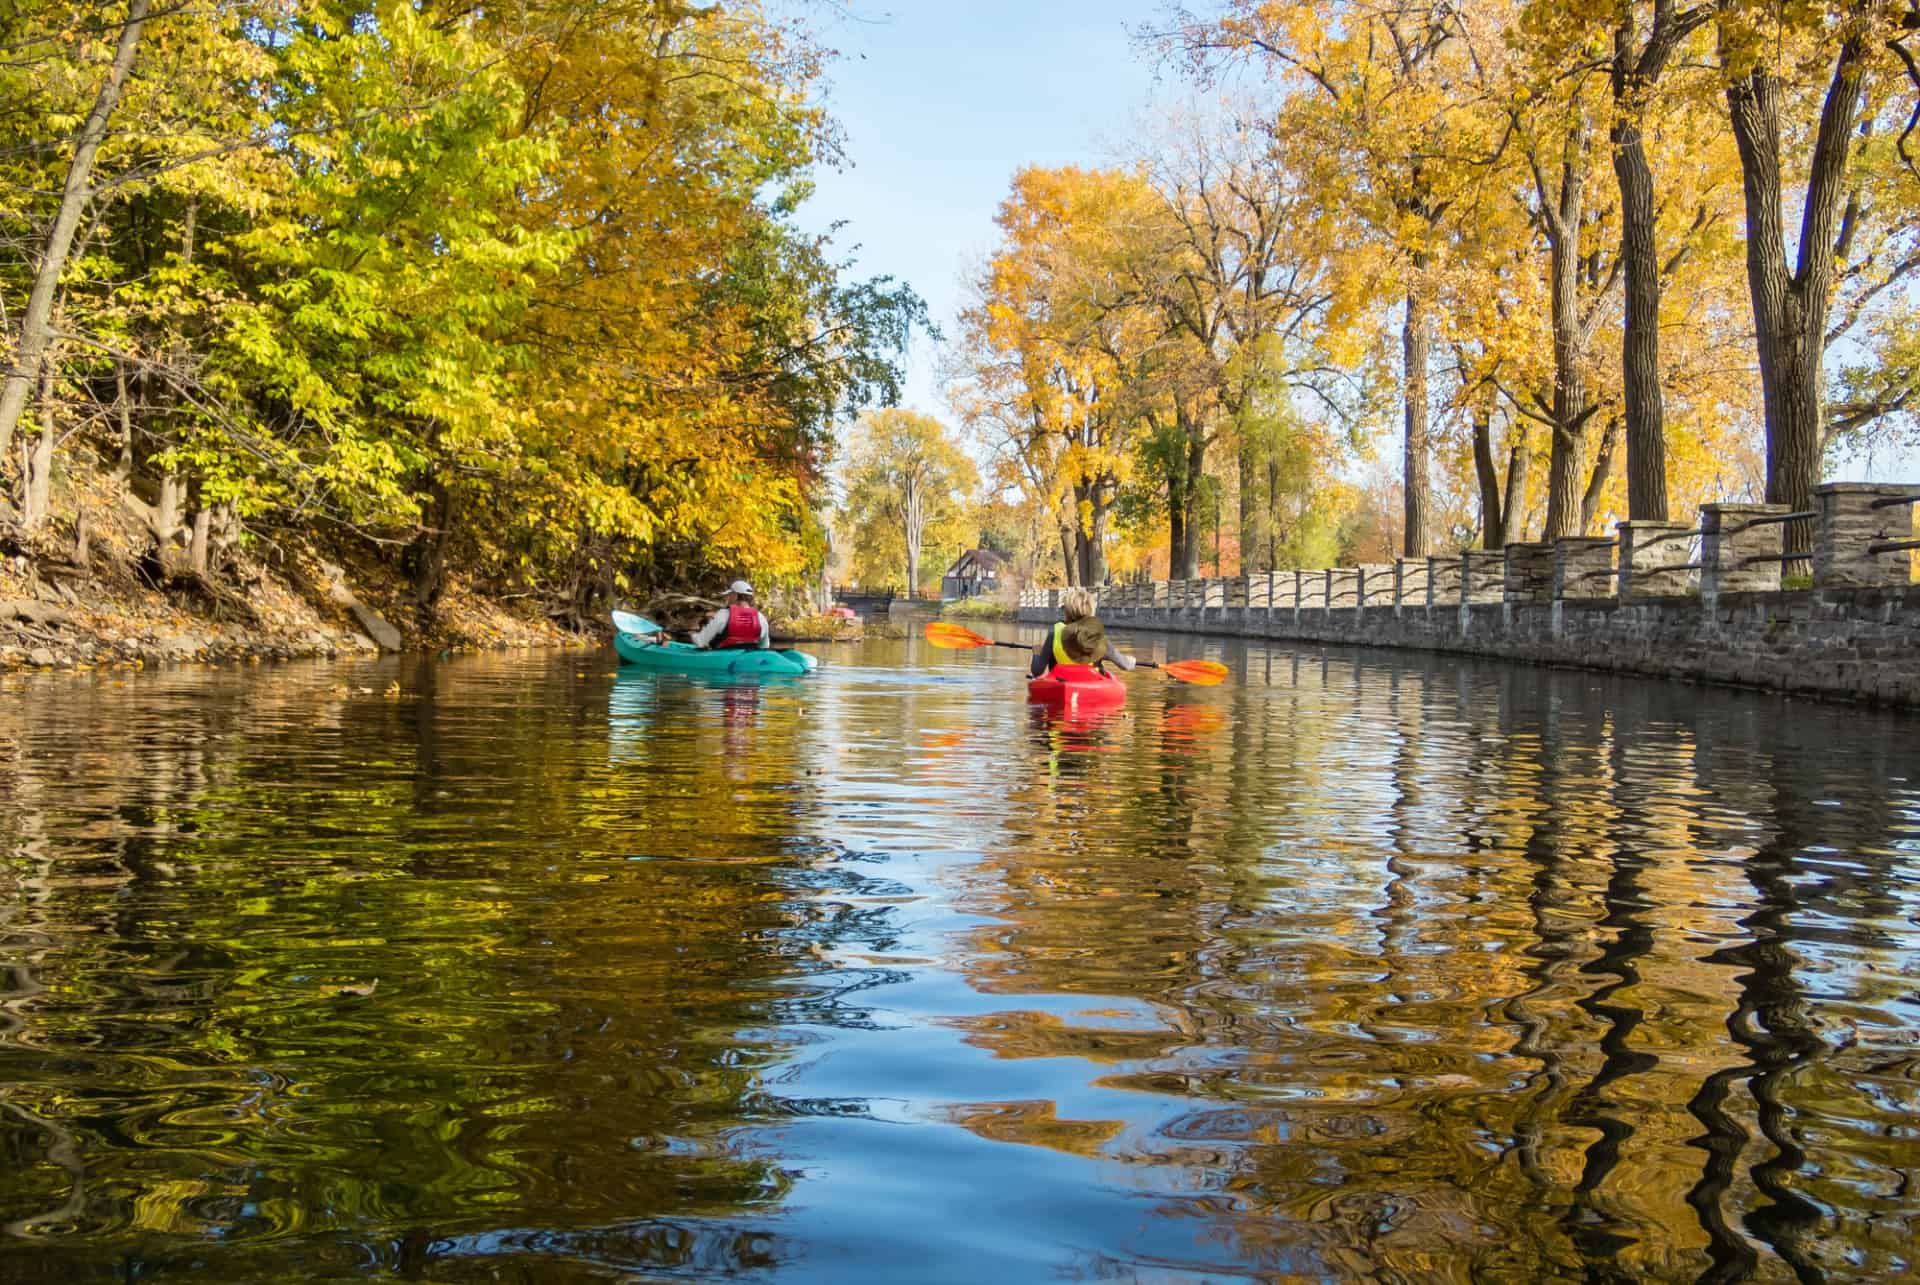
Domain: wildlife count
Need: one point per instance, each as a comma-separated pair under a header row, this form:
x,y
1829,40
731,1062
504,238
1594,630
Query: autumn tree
x,y
1053,374
30,337
1857,228
910,489
1243,272
516,293
1370,91
1645,40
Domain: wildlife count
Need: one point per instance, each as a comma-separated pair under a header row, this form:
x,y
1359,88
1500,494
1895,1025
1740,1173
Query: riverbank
x,y
90,589
70,618
1844,644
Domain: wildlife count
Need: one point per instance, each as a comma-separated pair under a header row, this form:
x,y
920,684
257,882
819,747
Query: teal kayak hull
x,y
683,658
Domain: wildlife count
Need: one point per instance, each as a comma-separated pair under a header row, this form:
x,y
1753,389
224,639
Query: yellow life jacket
x,y
1060,656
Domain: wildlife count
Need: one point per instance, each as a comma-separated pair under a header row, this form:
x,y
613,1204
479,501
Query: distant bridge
x,y
871,604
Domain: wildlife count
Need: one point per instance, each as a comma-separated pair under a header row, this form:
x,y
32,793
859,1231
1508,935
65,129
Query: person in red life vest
x,y
738,624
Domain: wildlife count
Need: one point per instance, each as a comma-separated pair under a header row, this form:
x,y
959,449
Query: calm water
x,y
1363,966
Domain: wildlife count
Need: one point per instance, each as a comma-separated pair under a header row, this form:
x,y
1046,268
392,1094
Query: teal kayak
x,y
684,658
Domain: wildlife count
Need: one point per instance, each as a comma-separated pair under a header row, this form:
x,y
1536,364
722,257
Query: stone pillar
x,y
1259,606
1527,573
1409,583
1849,525
1583,567
1233,603
1729,538
1483,575
1649,556
1443,582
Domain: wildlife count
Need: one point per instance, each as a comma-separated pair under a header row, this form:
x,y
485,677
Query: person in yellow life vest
x,y
1077,638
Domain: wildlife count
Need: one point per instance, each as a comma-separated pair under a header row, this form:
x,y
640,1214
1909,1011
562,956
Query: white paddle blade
x,y
628,623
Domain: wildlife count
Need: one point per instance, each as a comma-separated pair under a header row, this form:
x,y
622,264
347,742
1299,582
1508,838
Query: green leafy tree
x,y
910,492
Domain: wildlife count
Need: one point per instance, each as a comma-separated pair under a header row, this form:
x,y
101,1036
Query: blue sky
x,y
940,104
941,101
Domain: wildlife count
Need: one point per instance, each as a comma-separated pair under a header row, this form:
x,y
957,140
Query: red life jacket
x,y
743,627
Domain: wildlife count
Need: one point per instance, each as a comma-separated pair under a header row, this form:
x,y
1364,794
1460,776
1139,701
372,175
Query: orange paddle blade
x,y
1205,673
943,633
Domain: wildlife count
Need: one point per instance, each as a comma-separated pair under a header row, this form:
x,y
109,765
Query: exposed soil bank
x,y
89,588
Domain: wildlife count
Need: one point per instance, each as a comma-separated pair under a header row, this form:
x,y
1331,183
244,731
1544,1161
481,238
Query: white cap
x,y
742,587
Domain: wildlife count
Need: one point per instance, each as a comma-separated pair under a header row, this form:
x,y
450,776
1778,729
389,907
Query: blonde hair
x,y
1076,604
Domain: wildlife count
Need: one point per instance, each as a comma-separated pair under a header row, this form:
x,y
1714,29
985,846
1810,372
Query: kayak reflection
x,y
643,705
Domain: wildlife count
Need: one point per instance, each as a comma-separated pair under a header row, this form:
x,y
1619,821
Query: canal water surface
x,y
1361,966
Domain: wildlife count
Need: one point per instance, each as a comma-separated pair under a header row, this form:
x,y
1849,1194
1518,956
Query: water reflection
x,y
1364,965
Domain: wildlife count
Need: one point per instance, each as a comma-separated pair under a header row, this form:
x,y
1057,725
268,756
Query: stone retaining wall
x,y
1633,607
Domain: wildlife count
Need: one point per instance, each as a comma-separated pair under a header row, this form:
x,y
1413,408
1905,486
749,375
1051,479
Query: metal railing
x,y
1843,556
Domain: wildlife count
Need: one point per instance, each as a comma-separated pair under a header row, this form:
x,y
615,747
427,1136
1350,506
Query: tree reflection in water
x,y
1361,966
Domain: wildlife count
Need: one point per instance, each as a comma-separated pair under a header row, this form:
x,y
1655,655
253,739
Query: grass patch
x,y
817,628
978,609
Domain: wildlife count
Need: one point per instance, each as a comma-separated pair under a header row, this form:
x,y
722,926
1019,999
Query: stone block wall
x,y
1641,604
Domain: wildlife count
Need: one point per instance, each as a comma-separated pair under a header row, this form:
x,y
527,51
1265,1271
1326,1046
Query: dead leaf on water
x,y
358,991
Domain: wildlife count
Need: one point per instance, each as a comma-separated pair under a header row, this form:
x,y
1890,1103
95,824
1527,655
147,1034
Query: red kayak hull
x,y
1077,687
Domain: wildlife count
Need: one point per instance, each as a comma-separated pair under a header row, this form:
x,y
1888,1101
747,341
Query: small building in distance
x,y
975,572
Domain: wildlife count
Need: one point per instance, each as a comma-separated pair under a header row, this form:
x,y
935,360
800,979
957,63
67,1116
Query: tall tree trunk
x,y
1640,339
1562,213
166,509
1790,305
1503,506
428,552
1176,523
1602,472
1636,67
1564,466
1096,572
1082,551
1513,511
197,544
39,479
1249,507
123,409
1416,342
914,520
1273,510
1196,469
36,329
1493,517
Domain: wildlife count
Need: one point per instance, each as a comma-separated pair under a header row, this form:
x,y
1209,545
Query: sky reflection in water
x,y
1362,965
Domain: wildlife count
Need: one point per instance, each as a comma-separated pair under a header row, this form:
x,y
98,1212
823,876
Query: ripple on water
x,y
1366,966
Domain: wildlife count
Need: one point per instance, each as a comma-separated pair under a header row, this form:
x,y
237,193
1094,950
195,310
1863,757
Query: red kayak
x,y
1077,687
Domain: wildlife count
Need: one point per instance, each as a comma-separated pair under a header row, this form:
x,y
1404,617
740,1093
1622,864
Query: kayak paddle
x,y
1201,673
944,633
628,623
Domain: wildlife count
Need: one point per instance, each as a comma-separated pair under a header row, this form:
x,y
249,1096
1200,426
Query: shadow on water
x,y
1360,966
